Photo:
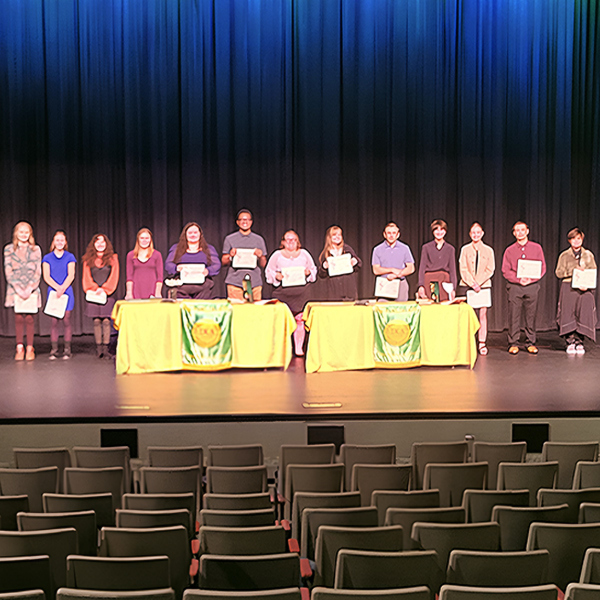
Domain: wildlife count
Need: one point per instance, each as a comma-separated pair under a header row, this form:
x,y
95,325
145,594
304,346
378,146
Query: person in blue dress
x,y
58,270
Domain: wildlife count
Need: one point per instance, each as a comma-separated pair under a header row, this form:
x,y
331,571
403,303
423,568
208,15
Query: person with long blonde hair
x,y
23,270
338,287
144,268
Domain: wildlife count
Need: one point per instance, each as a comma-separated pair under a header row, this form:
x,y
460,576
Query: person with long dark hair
x,y
193,249
144,268
58,268
338,287
100,277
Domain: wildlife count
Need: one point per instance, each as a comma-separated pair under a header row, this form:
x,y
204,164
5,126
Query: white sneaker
x,y
579,349
571,349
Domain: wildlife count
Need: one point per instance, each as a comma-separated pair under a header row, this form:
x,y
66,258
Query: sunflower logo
x,y
397,333
206,333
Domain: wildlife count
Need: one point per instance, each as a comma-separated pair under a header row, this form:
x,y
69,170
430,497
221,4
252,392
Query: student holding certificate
x,y
523,265
338,264
437,269
23,269
244,253
99,279
392,262
144,268
477,264
195,261
576,314
289,270
58,269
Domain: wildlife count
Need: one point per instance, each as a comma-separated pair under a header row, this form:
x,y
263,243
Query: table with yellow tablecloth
x,y
150,336
342,336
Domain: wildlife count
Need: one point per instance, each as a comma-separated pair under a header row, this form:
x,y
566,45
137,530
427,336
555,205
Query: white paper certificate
x,y
97,297
529,269
56,307
386,288
293,276
584,280
192,274
480,299
29,306
244,258
340,265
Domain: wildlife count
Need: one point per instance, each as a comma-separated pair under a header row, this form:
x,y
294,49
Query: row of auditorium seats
x,y
379,503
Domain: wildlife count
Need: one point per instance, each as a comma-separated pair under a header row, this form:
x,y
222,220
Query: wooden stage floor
x,y
87,389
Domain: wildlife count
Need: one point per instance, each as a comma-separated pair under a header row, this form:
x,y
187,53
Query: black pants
x,y
522,298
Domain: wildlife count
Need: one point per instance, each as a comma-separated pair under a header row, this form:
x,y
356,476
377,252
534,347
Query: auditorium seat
x,y
412,593
34,458
493,453
589,512
368,478
582,591
25,595
100,480
236,480
587,475
302,454
134,519
384,499
423,453
175,456
573,498
185,500
21,573
531,476
479,504
235,456
459,592
73,594
452,479
92,457
237,501
568,454
173,480
241,541
9,507
590,570
101,504
282,594
30,482
353,454
237,518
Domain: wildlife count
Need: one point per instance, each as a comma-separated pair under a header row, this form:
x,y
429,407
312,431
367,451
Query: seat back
x,y
134,519
101,504
478,504
29,482
175,456
186,501
57,544
590,571
531,476
422,453
80,480
413,593
582,591
83,522
493,453
26,573
240,541
237,518
515,521
235,456
302,454
351,454
572,498
445,537
498,569
112,574
24,595
34,458
567,544
282,594
459,592
74,594
368,478
452,479
367,569
9,507
267,572
332,539
159,541
314,518
587,475
384,499
237,501
407,517
93,457
236,480
568,455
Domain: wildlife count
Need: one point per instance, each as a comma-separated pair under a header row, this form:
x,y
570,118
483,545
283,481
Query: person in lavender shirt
x,y
291,254
193,249
438,264
144,268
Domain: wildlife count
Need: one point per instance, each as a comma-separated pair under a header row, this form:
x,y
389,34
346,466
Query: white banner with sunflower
x,y
397,335
206,334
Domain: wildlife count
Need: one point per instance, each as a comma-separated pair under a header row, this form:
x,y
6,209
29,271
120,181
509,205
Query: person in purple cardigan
x,y
438,264
144,268
193,249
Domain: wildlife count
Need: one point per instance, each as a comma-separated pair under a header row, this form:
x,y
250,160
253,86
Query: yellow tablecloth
x,y
341,336
150,336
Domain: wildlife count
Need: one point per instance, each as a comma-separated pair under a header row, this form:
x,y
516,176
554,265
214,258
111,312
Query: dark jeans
x,y
522,298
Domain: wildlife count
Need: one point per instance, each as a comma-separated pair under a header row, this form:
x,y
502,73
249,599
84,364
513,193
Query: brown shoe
x,y
513,350
30,354
20,353
532,349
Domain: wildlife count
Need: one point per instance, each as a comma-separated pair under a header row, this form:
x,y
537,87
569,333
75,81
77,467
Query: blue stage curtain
x,y
117,114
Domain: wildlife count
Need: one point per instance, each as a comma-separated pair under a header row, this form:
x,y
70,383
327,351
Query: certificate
x,y
584,280
340,265
387,288
480,299
244,258
96,297
55,306
193,274
29,306
529,269
293,276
